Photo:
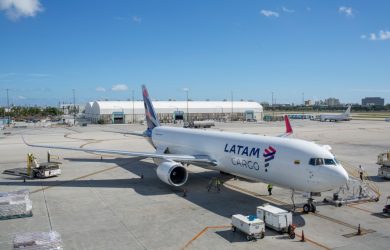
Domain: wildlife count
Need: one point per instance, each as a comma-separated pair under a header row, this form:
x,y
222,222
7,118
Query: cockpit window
x,y
316,161
330,162
320,161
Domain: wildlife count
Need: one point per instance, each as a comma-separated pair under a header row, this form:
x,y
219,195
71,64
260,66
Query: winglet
x,y
289,129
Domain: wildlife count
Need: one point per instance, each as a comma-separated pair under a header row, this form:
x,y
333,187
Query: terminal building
x,y
371,101
116,112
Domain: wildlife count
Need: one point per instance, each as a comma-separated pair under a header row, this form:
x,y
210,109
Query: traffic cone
x,y
303,236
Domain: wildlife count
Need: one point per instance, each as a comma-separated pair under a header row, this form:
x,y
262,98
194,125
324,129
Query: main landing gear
x,y
309,206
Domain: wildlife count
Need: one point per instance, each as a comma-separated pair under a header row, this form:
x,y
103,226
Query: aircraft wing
x,y
127,133
190,159
289,129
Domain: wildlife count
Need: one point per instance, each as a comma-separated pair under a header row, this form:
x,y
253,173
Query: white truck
x,y
278,219
253,227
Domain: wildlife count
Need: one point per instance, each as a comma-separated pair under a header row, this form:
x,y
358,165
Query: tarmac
x,y
115,202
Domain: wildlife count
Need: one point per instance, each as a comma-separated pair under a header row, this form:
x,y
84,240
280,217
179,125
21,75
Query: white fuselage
x,y
341,117
281,161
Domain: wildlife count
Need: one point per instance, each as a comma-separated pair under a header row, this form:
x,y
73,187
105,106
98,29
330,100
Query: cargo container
x,y
252,226
278,219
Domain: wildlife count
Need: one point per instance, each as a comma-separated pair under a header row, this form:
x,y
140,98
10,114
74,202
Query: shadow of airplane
x,y
224,203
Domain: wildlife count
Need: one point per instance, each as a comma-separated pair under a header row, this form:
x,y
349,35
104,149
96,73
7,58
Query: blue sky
x,y
106,49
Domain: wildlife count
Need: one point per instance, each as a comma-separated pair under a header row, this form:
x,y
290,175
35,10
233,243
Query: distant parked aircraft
x,y
286,162
338,117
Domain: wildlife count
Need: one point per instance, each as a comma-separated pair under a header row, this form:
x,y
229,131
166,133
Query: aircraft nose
x,y
341,176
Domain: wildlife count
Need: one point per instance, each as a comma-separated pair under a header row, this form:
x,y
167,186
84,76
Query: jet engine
x,y
172,173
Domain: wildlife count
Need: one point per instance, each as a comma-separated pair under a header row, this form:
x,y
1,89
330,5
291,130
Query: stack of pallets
x,y
15,204
38,240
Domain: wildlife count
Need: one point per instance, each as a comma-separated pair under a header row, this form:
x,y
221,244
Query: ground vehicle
x,y
252,226
278,219
384,162
35,169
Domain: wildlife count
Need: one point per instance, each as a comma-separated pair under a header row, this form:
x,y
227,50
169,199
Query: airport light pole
x,y
231,115
133,103
74,106
8,121
272,105
187,90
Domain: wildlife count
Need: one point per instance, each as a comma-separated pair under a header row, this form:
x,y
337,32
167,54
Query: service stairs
x,y
355,191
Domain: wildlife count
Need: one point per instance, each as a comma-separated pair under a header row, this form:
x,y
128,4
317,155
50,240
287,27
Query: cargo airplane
x,y
290,163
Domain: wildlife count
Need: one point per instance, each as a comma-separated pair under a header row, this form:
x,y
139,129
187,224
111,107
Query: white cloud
x,y
15,9
137,19
269,13
21,97
100,89
287,10
119,87
5,75
381,36
384,35
120,18
348,11
39,75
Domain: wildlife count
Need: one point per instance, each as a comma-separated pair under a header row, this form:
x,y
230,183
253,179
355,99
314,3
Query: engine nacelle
x,y
172,173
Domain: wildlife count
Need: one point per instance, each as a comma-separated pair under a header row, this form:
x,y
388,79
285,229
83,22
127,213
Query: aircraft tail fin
x,y
289,129
348,111
150,113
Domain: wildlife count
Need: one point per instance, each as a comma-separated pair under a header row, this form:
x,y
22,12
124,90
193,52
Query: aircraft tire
x,y
262,235
306,208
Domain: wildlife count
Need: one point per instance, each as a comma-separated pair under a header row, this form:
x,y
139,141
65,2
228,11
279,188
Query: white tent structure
x,y
88,109
128,111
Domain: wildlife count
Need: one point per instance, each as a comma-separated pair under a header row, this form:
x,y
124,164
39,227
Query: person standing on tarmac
x,y
361,172
269,187
214,183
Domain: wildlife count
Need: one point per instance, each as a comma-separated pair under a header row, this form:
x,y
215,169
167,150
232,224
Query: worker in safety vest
x,y
269,187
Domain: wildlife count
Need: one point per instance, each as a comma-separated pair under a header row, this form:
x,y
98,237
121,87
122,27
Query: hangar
x,y
172,111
